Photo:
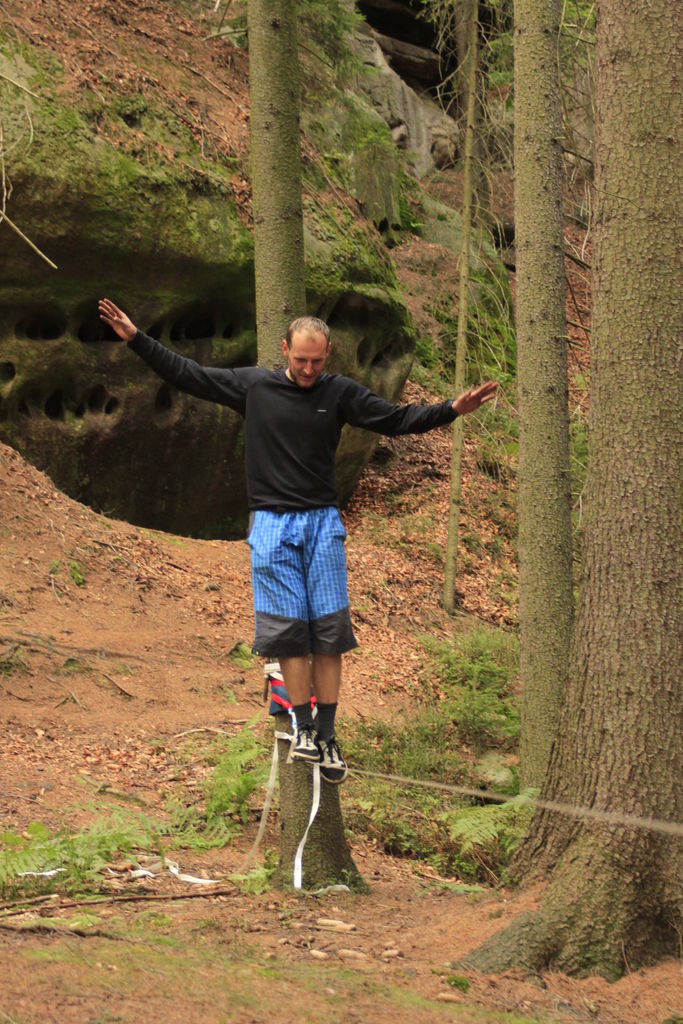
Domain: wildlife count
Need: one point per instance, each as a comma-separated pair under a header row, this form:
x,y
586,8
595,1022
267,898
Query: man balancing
x,y
294,417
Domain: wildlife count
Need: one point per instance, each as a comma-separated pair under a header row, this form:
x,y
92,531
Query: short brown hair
x,y
309,325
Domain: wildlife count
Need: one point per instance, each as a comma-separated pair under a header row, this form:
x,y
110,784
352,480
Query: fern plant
x,y
78,857
239,768
491,833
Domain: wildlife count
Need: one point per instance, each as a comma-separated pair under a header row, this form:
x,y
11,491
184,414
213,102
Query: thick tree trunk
x,y
545,541
326,856
461,343
276,173
615,898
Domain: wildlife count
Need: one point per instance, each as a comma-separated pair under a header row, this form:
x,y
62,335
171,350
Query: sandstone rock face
x,y
167,245
428,137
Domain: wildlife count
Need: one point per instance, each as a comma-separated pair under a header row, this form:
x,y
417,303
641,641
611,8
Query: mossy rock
x,y
166,242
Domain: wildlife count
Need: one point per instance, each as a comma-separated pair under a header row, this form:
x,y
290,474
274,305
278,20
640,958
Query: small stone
x,y
352,954
448,997
320,954
389,954
335,925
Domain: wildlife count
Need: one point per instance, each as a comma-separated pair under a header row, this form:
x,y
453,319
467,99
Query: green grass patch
x,y
12,661
241,655
77,573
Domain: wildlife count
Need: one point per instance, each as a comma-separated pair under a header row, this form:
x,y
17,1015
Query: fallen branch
x,y
85,933
3,216
577,259
19,906
214,85
150,897
19,86
72,697
209,728
118,686
55,647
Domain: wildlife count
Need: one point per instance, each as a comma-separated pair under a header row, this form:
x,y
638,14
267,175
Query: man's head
x,y
306,348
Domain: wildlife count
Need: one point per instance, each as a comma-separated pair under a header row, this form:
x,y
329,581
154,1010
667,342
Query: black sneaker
x,y
332,764
305,747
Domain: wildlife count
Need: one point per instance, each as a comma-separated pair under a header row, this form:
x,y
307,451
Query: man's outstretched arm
x,y
362,408
212,383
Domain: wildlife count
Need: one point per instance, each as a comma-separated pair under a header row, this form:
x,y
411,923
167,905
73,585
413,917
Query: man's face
x,y
306,356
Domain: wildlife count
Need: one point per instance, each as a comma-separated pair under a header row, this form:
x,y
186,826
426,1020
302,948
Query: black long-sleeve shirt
x,y
292,433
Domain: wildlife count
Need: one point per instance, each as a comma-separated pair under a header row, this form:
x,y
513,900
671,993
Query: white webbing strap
x,y
315,804
266,804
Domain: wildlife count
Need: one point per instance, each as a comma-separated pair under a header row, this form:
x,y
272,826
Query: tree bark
x,y
461,343
276,173
615,897
326,858
545,540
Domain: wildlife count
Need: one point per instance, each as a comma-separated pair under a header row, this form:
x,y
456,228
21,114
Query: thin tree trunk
x,y
461,344
615,897
545,541
280,297
276,173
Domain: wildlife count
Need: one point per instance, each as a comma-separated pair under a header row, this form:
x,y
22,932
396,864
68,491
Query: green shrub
x,y
477,672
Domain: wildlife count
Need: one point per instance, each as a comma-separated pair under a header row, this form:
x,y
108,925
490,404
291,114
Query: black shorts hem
x,y
280,637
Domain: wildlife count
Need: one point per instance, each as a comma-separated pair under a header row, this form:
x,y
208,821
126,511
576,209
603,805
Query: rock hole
x,y
363,351
163,401
54,406
94,330
97,399
23,408
394,350
382,360
7,372
155,330
228,330
79,411
200,327
193,328
112,405
41,327
351,308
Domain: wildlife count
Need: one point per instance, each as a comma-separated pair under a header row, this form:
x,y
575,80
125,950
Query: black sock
x,y
304,714
326,713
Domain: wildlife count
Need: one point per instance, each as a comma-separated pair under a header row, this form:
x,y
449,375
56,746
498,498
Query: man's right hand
x,y
117,320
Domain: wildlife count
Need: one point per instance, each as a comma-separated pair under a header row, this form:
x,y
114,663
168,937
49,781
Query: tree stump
x,y
326,857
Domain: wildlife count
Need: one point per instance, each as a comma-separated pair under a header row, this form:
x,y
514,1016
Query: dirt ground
x,y
111,672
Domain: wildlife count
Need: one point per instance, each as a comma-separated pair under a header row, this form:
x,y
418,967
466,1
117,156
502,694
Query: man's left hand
x,y
470,400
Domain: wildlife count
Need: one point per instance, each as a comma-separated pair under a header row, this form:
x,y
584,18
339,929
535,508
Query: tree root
x,y
598,916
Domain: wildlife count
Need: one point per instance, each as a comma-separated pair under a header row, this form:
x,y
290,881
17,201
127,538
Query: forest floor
x,y
116,649
119,657
104,682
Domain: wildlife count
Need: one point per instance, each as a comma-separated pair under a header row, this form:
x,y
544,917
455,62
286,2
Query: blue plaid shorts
x,y
298,569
